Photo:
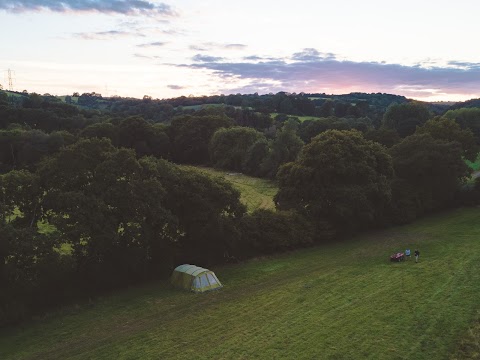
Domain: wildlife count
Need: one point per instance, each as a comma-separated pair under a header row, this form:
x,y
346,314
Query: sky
x,y
420,49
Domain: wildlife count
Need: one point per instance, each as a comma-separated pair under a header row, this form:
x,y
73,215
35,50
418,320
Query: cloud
x,y
107,35
206,58
176,87
233,46
312,71
259,58
142,56
123,7
464,65
152,44
310,54
198,48
209,46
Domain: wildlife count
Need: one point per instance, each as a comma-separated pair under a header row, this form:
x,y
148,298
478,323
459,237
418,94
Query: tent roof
x,y
191,269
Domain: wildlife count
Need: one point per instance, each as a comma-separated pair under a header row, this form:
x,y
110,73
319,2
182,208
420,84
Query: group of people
x,y
416,253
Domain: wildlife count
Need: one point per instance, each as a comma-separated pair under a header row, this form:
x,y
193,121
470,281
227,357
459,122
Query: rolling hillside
x,y
339,301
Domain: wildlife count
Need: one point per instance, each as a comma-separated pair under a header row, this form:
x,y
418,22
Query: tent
x,y
195,278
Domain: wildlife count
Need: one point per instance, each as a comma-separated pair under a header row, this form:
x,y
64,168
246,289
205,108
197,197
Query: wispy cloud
x,y
124,7
464,65
152,44
209,46
175,87
233,46
107,35
206,58
143,56
260,58
312,71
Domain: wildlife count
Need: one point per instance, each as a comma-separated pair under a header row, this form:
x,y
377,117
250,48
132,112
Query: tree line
x,y
92,201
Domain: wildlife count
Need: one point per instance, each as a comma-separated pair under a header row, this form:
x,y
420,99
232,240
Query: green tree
x,y
136,133
129,218
266,232
326,109
385,136
100,130
405,118
284,148
467,118
254,158
428,173
229,147
449,130
20,198
190,137
101,202
207,210
339,178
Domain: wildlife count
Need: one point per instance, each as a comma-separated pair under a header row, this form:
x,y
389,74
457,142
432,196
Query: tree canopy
x,y
404,118
339,177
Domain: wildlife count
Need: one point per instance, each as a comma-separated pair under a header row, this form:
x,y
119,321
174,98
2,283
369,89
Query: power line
x,y
10,79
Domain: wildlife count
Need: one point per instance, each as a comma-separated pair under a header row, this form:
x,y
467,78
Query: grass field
x,y
13,94
474,165
256,193
301,118
339,301
202,106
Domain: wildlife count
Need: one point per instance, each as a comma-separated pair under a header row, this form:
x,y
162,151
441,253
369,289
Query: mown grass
x,y
338,301
469,345
256,193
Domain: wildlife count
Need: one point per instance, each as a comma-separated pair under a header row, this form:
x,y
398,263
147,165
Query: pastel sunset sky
x,y
421,49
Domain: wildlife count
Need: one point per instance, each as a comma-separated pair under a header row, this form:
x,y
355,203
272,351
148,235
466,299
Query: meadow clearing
x,y
256,193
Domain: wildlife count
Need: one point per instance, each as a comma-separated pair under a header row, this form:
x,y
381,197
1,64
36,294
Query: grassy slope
x,y
256,193
341,301
12,94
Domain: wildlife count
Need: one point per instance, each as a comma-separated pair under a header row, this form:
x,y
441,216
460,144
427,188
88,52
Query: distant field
x,y
301,118
198,107
256,193
202,106
13,94
74,99
338,301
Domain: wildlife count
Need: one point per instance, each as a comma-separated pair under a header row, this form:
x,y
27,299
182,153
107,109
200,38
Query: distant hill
x,y
374,99
356,104
466,104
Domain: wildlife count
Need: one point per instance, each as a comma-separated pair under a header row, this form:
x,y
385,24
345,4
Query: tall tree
x,y
449,130
428,173
405,118
467,118
190,136
228,147
340,178
284,148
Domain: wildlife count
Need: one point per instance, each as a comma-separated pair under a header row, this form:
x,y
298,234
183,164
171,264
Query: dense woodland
x,y
91,198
